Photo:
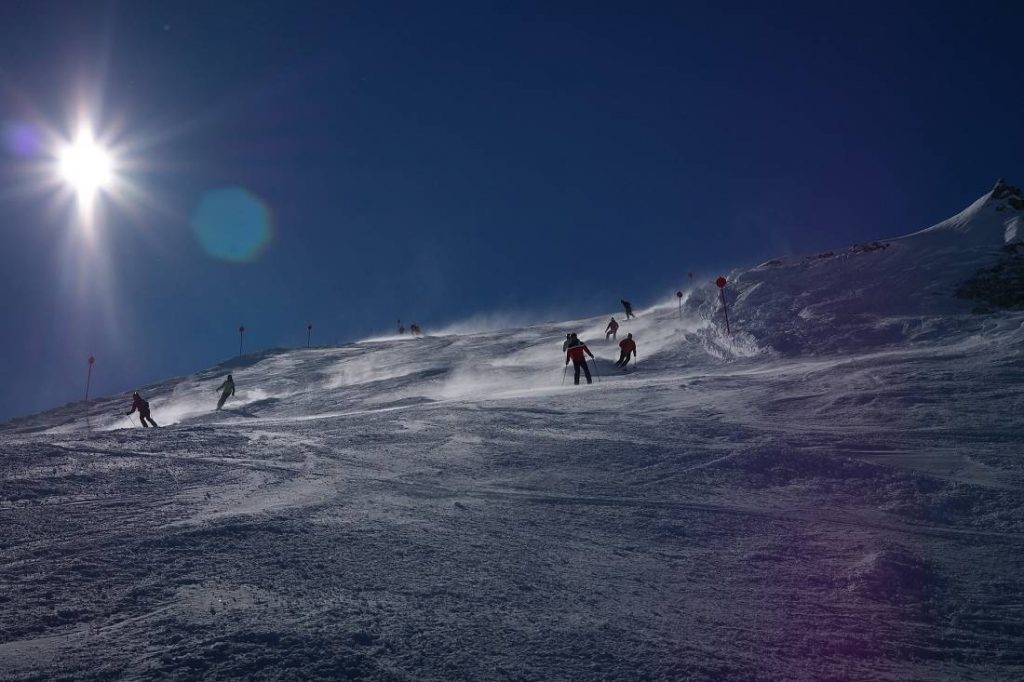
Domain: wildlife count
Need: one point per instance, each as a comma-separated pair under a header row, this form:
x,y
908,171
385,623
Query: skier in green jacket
x,y
227,389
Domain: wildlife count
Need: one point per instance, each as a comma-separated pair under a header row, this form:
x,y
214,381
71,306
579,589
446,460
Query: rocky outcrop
x,y
1010,195
1000,286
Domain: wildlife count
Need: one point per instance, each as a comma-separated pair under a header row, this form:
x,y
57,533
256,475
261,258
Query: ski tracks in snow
x,y
844,517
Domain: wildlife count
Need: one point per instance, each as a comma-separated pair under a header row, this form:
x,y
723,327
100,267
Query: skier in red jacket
x,y
627,346
577,352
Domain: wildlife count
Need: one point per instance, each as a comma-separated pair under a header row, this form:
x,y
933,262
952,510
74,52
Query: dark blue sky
x,y
432,161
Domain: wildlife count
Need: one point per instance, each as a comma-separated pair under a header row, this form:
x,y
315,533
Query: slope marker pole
x,y
88,380
88,377
721,282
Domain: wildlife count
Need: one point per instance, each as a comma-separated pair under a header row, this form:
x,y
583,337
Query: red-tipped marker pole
x,y
721,282
309,334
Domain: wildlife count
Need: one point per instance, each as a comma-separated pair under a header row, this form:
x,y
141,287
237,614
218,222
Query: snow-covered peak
x,y
986,221
923,285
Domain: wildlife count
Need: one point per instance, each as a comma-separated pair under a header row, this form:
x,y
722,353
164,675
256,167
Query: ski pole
x,y
596,373
564,372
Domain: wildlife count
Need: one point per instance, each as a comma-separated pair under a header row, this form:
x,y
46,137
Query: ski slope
x,y
835,490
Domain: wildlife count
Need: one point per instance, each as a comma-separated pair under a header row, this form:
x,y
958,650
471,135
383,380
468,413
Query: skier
x,y
575,352
227,389
143,407
627,346
401,328
628,308
611,330
565,344
414,329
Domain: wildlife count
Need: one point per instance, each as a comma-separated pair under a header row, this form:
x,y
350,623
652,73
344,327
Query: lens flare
x,y
232,224
23,140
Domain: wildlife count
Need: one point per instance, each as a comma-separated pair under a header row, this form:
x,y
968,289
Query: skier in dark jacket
x,y
143,407
611,330
227,389
628,307
627,346
576,352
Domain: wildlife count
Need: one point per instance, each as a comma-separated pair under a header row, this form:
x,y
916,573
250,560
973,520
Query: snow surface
x,y
835,491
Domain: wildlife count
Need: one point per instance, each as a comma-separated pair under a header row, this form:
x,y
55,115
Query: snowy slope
x,y
834,491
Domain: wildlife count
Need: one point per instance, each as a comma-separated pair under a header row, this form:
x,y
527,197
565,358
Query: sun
x,y
86,166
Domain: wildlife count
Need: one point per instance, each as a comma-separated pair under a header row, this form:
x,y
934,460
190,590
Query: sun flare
x,y
86,166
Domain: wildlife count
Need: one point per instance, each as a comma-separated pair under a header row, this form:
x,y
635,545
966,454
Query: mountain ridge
x,y
907,289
